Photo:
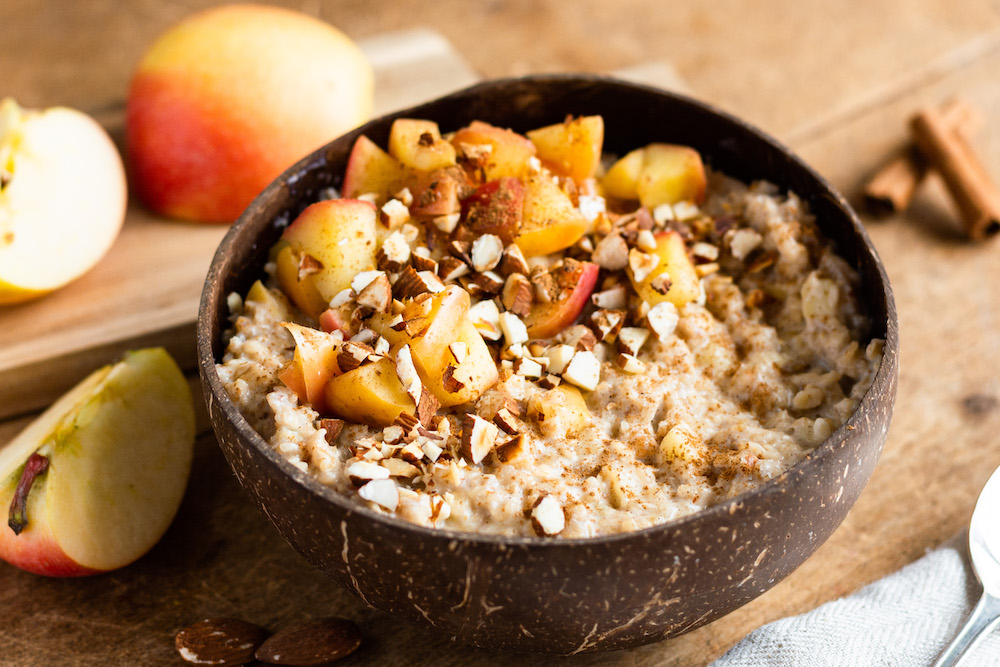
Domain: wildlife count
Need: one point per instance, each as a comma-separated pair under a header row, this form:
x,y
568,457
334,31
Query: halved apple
x,y
547,319
95,481
571,148
674,279
329,243
508,151
549,221
62,198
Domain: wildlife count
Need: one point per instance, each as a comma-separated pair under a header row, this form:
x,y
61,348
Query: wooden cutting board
x,y
146,290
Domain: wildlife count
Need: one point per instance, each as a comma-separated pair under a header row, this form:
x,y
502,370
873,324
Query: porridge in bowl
x,y
513,334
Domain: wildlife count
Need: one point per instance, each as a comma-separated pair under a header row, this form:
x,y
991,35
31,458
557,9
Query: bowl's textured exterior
x,y
553,595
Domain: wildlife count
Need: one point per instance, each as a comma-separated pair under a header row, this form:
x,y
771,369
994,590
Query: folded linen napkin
x,y
903,620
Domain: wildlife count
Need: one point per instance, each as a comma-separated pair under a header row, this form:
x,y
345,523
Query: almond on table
x,y
508,328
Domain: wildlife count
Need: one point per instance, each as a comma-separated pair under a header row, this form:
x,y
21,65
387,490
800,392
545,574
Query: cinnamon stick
x,y
975,194
892,187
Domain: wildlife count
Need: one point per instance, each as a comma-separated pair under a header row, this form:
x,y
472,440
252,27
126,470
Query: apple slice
x,y
657,174
674,279
328,244
118,449
571,148
547,319
418,144
62,198
370,170
370,394
313,364
508,151
549,220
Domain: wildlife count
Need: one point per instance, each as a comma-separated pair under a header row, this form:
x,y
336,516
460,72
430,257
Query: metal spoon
x,y
984,547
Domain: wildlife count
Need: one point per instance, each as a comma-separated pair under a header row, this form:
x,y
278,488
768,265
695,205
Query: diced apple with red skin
x,y
547,319
447,323
418,144
437,192
371,170
340,235
369,394
313,364
571,148
334,319
676,263
549,220
658,174
509,153
495,208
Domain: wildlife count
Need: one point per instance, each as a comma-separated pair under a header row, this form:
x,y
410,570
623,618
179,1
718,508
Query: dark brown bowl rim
x,y
867,404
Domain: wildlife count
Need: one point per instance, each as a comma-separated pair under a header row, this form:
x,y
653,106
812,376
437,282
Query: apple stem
x,y
33,467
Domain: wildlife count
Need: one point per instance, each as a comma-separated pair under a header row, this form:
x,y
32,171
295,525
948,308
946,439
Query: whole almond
x,y
312,643
220,641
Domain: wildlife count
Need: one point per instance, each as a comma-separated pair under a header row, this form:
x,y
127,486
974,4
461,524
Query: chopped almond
x,y
478,437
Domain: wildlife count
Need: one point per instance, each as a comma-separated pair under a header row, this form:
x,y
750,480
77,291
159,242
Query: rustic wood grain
x,y
830,79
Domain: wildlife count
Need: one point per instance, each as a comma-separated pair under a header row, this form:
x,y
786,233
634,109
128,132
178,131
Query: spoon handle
x,y
982,619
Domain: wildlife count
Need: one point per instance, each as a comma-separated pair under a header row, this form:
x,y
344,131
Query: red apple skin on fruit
x,y
225,101
36,549
546,320
496,208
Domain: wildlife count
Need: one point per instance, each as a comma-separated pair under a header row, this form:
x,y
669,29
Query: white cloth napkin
x,y
903,620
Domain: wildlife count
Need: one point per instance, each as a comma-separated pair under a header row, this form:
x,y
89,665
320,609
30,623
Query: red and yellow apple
x,y
62,198
657,174
496,208
313,364
418,144
370,394
226,100
547,319
371,170
95,481
322,250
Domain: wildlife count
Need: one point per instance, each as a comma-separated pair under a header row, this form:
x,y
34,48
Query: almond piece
x,y
406,371
333,427
506,420
642,264
518,295
452,268
393,254
382,492
513,261
547,516
312,643
362,472
377,295
613,298
607,323
487,250
421,260
427,406
631,339
220,641
663,319
409,284
451,383
309,265
352,354
611,252
513,328
478,437
510,449
583,370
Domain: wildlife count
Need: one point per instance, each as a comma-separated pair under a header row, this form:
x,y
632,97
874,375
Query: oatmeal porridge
x,y
511,333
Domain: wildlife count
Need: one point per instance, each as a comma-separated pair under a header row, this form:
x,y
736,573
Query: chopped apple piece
x,y
496,208
447,323
418,144
313,364
622,178
437,192
674,278
670,174
560,412
369,394
329,243
657,174
508,151
370,170
547,319
549,220
101,472
273,301
571,148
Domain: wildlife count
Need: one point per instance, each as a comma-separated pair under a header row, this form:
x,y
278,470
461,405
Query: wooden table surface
x,y
835,81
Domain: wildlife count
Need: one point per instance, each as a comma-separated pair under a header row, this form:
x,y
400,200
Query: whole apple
x,y
223,102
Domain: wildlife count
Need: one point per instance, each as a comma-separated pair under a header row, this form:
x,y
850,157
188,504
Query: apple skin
x,y
571,148
49,241
226,100
119,446
546,320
